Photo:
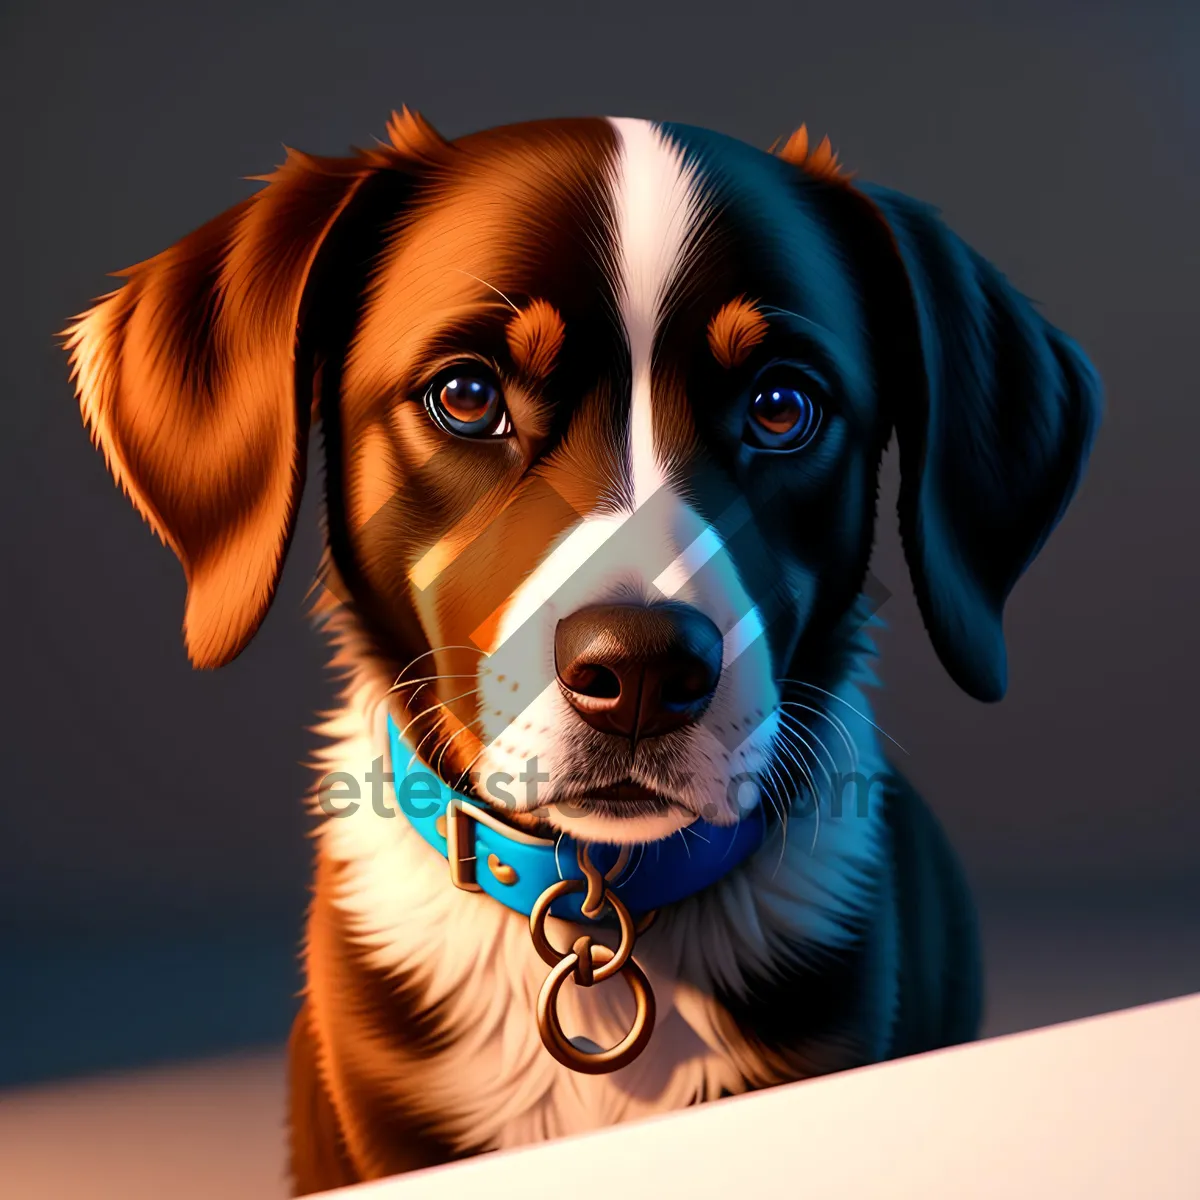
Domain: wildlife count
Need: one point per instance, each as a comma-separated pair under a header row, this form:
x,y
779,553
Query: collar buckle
x,y
460,845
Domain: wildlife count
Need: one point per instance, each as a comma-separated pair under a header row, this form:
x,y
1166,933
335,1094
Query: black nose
x,y
636,670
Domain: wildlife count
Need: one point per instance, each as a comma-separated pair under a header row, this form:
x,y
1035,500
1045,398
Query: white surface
x,y
1099,1108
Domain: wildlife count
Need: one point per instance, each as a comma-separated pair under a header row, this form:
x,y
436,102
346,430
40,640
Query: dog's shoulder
x,y
940,974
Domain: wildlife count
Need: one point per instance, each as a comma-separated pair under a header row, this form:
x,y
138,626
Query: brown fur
x,y
187,380
355,1045
822,163
736,329
535,336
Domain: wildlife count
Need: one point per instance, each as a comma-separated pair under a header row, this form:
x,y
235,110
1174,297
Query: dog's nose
x,y
638,670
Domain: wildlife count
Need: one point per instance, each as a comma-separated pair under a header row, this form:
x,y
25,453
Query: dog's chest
x,y
472,962
528,1096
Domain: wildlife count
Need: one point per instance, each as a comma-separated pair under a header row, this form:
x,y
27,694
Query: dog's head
x,y
603,404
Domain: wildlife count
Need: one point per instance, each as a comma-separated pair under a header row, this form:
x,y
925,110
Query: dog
x,y
604,403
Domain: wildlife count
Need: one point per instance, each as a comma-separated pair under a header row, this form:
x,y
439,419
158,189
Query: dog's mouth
x,y
621,800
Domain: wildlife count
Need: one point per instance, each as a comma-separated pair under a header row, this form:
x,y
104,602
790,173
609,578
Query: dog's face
x,y
581,464
604,403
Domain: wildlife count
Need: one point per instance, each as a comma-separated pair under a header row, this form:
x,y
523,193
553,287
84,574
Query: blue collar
x,y
515,868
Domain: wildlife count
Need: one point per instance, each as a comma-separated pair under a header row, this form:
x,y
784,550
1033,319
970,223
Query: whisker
x,y
436,650
418,683
467,769
400,682
771,310
832,786
816,829
441,704
446,744
427,709
802,764
795,726
839,727
433,708
806,777
398,686
784,788
489,286
779,807
641,855
843,731
815,793
416,752
782,807
843,700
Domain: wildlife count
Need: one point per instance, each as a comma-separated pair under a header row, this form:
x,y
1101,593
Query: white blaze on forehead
x,y
656,210
643,554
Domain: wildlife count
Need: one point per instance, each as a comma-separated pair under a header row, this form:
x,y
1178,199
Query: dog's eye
x,y
783,414
468,401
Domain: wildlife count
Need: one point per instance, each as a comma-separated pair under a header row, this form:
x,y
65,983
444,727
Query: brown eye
x,y
782,416
468,402
467,399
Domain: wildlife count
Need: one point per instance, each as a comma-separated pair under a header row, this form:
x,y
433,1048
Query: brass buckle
x,y
459,831
590,963
460,846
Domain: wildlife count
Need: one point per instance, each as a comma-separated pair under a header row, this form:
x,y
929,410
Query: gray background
x,y
153,856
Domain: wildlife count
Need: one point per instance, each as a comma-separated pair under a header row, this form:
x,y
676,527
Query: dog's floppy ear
x,y
993,431
190,383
